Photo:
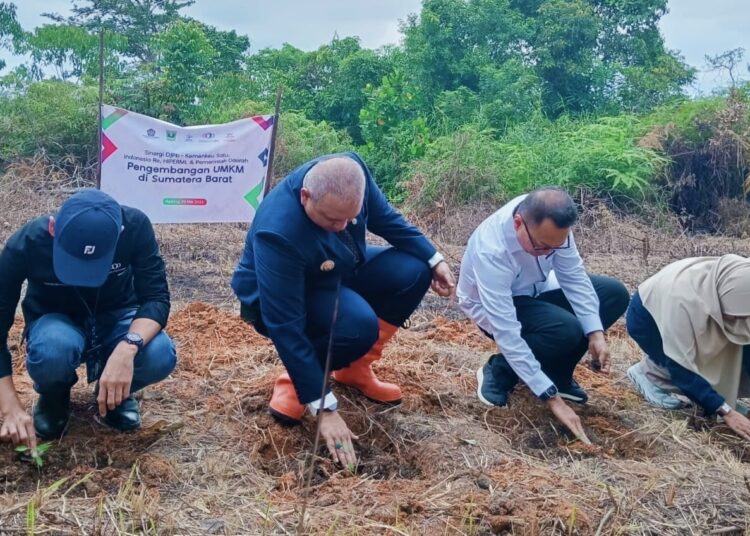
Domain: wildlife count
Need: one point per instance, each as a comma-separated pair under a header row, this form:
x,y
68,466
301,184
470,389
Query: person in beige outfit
x,y
692,319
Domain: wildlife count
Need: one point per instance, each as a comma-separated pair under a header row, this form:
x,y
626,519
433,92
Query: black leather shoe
x,y
573,392
52,414
125,417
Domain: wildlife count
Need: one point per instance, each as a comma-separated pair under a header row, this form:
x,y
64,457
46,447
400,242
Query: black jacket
x,y
137,279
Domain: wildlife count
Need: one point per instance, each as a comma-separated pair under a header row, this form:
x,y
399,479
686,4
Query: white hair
x,y
341,177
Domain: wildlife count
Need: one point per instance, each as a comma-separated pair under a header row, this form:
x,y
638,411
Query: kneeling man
x,y
307,238
97,293
523,282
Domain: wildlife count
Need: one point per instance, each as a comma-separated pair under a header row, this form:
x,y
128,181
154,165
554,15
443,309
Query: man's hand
x,y
443,283
568,417
338,438
739,423
18,428
114,384
599,351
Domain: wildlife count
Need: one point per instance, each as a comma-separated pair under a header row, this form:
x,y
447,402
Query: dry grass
x,y
209,460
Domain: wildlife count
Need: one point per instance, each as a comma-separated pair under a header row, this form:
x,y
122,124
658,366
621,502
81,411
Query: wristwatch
x,y
551,392
724,410
134,339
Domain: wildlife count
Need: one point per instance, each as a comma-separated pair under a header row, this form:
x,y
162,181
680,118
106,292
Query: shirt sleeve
x,y
576,285
12,275
493,277
150,276
694,386
280,270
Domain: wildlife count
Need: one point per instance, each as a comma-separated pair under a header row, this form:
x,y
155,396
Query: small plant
x,y
36,455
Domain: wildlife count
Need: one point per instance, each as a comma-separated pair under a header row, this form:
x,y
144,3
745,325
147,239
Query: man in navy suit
x,y
309,234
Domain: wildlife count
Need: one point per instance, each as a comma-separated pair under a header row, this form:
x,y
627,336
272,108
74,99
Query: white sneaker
x,y
654,395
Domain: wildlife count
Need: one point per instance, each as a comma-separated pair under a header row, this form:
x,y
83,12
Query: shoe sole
x,y
371,399
284,419
104,423
572,398
641,391
383,402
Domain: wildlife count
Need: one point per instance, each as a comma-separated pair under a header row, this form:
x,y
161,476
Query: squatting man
x,y
96,294
306,241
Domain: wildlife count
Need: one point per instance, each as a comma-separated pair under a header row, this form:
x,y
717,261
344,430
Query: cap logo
x,y
89,250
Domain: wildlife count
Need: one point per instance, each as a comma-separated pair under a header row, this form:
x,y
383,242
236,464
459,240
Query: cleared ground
x,y
209,460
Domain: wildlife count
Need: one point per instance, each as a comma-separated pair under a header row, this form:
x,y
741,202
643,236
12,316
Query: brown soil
x,y
210,460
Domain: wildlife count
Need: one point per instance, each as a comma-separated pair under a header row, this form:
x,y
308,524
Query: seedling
x,y
36,455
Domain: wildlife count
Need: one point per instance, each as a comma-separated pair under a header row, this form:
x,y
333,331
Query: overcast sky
x,y
693,27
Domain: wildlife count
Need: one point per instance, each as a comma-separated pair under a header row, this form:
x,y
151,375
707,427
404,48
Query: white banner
x,y
202,174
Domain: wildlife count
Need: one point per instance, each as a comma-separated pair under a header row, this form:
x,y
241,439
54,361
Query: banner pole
x,y
101,101
269,171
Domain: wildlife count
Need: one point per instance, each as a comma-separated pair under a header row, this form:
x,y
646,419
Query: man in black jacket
x,y
97,293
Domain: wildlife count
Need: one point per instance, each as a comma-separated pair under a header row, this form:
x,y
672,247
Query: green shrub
x,y
457,169
53,117
601,155
300,140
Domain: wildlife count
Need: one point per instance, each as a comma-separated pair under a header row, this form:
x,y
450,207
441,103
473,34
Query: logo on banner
x,y
151,133
189,137
208,135
229,136
171,135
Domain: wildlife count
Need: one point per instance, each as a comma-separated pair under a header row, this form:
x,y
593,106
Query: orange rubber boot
x,y
360,375
284,404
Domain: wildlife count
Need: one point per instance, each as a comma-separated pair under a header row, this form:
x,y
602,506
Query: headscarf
x,y
689,300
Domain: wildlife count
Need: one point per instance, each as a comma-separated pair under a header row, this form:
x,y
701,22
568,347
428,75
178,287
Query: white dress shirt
x,y
495,268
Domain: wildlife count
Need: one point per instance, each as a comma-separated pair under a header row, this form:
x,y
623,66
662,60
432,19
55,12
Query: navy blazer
x,y
283,254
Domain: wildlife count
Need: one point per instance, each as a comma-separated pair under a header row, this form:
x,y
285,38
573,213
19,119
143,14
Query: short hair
x,y
339,176
549,202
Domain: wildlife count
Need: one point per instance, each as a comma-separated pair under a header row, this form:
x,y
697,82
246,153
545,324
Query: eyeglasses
x,y
544,248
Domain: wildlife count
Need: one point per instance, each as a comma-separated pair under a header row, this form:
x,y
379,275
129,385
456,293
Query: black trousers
x,y
551,329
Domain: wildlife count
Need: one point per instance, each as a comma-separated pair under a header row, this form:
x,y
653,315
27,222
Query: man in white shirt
x,y
523,282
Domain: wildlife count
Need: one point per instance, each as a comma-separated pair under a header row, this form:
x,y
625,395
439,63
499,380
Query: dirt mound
x,y
209,337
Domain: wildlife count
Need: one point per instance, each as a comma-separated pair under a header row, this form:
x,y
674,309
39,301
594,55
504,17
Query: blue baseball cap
x,y
87,227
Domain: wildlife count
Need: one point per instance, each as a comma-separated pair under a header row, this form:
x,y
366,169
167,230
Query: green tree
x,y
72,52
138,20
326,84
583,56
394,130
185,61
270,68
340,100
11,33
231,49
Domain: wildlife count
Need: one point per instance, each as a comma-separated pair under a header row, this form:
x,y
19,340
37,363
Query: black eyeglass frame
x,y
545,248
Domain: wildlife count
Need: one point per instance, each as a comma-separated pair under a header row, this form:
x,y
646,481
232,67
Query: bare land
x,y
210,460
